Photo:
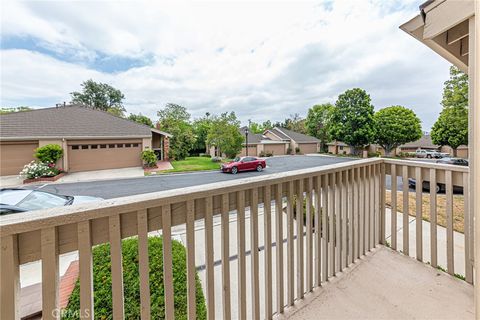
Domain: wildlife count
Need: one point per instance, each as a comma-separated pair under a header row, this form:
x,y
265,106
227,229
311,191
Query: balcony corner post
x,y
10,278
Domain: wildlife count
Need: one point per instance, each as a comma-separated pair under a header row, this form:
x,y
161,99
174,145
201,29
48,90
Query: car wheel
x,y
259,168
234,170
429,156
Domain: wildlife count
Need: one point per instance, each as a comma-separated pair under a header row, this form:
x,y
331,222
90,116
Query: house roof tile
x,y
296,136
68,121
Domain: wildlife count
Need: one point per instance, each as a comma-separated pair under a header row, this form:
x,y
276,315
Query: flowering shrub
x,y
36,169
49,153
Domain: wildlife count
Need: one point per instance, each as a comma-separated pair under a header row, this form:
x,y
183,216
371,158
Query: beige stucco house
x,y
304,143
276,141
91,139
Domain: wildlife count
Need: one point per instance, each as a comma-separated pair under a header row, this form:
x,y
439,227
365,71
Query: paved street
x,y
108,189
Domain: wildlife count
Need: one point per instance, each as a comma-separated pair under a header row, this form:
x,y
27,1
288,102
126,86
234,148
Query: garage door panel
x,y
252,151
307,148
276,149
104,156
13,157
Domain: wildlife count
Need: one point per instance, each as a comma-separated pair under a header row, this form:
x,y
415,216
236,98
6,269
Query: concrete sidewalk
x,y
11,181
109,174
458,242
84,176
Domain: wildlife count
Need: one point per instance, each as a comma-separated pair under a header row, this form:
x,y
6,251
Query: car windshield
x,y
42,200
12,197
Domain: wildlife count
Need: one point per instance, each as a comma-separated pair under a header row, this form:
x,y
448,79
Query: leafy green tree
x,y
14,109
455,90
318,122
396,125
200,129
352,120
267,125
100,96
175,120
255,127
451,127
295,123
225,134
140,118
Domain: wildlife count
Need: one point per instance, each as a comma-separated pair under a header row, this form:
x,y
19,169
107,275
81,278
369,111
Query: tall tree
x,y
100,96
451,127
455,89
395,126
255,127
225,134
267,125
174,119
352,120
295,123
200,129
318,122
140,118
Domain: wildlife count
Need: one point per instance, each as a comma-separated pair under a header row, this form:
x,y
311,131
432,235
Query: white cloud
x,y
264,60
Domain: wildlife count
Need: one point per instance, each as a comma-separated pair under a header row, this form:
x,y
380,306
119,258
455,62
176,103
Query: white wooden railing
x,y
348,201
447,177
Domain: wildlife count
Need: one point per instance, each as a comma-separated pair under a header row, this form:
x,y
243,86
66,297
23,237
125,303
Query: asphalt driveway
x,y
108,189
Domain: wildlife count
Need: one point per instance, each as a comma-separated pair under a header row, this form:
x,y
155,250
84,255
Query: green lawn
x,y
194,164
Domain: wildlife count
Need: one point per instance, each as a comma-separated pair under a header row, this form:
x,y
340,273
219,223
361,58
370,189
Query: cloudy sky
x,y
263,60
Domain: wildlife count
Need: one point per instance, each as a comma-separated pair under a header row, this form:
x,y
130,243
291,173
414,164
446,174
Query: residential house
x,y
305,143
425,142
276,141
338,147
91,139
383,263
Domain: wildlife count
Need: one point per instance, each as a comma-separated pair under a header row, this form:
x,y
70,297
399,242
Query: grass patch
x,y
194,164
102,282
458,208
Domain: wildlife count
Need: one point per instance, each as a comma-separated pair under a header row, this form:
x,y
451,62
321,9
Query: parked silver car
x,y
422,153
440,186
14,200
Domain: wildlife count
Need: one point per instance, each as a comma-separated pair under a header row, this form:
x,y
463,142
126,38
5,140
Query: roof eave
x,y
72,137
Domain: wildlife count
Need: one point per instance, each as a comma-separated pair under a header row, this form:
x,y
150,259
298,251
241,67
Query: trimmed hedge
x,y
148,156
49,153
131,280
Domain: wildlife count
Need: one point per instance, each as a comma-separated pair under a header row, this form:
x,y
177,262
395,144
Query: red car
x,y
244,164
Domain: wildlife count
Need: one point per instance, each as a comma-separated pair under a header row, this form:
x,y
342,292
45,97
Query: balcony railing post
x,y
382,203
10,276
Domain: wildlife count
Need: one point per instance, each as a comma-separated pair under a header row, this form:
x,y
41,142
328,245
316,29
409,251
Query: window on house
x,y
135,145
341,147
85,146
111,146
128,145
75,147
119,145
103,146
94,146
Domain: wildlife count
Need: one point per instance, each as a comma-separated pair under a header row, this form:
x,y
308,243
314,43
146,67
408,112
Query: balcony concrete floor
x,y
388,285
